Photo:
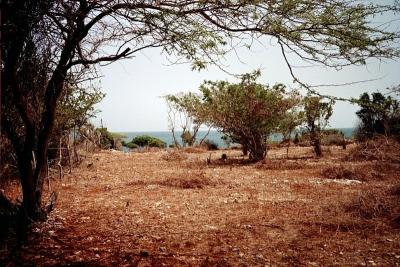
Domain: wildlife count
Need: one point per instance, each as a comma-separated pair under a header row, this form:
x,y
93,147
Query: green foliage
x,y
77,106
247,112
317,114
131,145
148,141
378,115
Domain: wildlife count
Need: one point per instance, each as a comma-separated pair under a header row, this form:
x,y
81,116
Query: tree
x,y
291,120
317,114
379,115
184,109
246,112
60,38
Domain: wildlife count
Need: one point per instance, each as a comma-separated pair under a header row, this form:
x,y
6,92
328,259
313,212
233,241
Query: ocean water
x,y
214,136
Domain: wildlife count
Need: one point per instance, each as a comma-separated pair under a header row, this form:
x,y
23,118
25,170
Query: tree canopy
x,y
378,114
246,112
317,114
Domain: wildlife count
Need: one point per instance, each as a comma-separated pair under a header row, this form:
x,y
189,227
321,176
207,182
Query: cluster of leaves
x,y
77,106
378,115
146,141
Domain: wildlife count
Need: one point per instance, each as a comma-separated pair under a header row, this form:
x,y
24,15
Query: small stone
x,y
260,256
97,256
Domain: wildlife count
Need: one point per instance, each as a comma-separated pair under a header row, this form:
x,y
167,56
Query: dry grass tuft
x,y
363,172
340,172
194,149
282,165
174,155
379,148
191,183
371,204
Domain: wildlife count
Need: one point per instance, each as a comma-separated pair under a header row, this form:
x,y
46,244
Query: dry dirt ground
x,y
164,208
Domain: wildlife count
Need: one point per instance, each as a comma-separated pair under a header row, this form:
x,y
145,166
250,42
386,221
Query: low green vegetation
x,y
145,141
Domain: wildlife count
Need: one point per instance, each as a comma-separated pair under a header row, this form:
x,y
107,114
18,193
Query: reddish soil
x,y
173,209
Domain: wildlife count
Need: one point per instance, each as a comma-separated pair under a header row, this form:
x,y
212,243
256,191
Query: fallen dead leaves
x,y
175,209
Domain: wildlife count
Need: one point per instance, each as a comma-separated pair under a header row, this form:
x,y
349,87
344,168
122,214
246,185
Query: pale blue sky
x,y
134,87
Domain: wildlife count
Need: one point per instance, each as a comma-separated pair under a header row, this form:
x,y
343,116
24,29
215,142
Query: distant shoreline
x,y
214,135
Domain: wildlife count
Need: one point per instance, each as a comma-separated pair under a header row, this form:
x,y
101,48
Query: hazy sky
x,y
134,87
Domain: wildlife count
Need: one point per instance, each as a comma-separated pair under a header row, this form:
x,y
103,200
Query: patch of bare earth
x,y
174,209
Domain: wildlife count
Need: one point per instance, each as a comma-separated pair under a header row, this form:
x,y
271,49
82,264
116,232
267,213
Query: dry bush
x,y
327,151
281,165
333,140
193,180
395,190
362,173
340,172
380,148
194,149
371,204
174,155
191,183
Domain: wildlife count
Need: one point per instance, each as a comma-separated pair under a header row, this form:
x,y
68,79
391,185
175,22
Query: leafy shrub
x,y
149,141
106,138
131,145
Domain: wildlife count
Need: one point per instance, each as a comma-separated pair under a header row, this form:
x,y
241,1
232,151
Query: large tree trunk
x,y
316,142
257,148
